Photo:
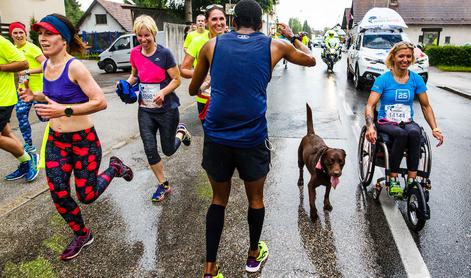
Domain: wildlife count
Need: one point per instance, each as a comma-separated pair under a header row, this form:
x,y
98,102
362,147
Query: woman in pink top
x,y
158,104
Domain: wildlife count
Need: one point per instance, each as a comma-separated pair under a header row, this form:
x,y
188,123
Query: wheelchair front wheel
x,y
366,159
415,204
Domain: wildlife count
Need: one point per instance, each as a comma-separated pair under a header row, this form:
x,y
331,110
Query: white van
x,y
117,55
370,46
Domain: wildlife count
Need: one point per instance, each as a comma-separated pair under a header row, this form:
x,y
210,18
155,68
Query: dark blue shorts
x,y
220,161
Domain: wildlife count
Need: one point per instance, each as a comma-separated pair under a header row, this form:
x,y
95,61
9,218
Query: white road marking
x,y
411,258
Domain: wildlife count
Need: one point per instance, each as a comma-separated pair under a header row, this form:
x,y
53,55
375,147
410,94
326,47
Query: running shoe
x,y
186,134
162,190
219,275
18,173
395,188
32,171
253,264
76,245
29,148
124,171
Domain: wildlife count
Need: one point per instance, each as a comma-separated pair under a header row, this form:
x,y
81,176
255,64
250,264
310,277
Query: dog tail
x,y
310,125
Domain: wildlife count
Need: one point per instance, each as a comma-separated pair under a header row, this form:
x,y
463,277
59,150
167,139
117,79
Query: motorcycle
x,y
330,56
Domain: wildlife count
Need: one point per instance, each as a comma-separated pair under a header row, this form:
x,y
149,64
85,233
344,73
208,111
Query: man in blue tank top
x,y
236,134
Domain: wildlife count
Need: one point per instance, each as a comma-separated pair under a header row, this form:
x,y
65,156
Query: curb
x,y
455,91
21,200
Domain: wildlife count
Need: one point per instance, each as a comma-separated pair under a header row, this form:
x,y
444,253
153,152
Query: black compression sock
x,y
214,226
255,218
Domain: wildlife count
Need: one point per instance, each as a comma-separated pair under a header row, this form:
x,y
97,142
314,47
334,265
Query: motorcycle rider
x,y
330,41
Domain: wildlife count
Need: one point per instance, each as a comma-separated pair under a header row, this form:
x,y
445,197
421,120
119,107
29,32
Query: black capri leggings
x,y
405,136
166,123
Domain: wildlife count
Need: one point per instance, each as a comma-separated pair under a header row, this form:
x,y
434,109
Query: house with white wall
x,y
439,22
105,16
24,10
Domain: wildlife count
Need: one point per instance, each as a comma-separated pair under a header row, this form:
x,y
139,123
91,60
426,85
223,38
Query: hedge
x,y
449,55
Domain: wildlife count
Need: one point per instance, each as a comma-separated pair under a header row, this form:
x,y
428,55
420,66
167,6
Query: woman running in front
x,y
158,104
72,95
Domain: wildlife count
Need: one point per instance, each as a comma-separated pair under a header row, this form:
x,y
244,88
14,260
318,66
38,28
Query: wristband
x,y
27,72
436,129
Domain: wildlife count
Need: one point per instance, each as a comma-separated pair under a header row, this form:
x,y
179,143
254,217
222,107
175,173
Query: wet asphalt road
x,y
135,238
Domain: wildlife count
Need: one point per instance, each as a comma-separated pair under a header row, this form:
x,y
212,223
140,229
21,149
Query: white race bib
x,y
148,93
398,113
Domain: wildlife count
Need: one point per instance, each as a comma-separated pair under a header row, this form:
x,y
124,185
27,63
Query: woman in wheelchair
x,y
396,90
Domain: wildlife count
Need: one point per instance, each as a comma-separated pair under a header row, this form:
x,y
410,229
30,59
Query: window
x,y
100,18
447,39
381,41
421,39
123,43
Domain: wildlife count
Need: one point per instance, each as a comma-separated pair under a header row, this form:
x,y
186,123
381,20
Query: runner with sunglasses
x,y
216,22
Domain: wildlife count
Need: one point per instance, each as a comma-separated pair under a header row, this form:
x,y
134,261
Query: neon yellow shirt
x,y
194,50
305,40
8,54
31,51
195,47
192,35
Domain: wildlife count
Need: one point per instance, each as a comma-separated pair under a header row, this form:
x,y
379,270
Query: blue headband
x,y
60,26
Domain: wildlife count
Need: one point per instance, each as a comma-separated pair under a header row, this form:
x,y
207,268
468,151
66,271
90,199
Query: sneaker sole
x,y
255,269
80,250
14,179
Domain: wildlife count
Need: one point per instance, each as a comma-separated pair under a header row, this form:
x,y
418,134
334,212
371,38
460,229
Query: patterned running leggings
x,y
81,152
22,114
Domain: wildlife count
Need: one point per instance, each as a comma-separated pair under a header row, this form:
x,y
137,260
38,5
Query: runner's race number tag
x,y
148,93
398,113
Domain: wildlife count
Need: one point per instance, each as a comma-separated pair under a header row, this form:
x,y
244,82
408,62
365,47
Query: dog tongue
x,y
334,181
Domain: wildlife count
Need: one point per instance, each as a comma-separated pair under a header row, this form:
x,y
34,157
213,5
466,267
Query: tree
x,y
307,28
73,11
33,35
295,25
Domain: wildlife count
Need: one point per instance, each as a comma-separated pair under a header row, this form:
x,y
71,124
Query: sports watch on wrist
x,y
294,38
68,111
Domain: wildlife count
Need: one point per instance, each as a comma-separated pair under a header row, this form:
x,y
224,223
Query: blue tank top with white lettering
x,y
240,72
62,89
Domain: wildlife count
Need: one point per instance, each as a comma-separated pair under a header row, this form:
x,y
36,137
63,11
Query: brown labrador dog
x,y
323,163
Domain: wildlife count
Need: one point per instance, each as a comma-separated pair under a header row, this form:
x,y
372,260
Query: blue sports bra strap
x,y
44,65
66,69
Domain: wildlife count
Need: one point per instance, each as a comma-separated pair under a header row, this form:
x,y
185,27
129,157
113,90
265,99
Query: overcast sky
x,y
318,13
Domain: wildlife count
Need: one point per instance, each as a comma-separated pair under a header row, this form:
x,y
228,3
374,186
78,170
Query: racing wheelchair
x,y
375,155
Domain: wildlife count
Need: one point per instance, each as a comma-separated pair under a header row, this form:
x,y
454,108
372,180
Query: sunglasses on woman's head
x,y
208,7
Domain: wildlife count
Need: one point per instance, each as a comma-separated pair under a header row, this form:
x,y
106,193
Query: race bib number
x,y
148,93
398,113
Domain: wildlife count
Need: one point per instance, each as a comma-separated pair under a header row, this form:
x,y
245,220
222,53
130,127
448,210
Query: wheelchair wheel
x,y
414,215
366,159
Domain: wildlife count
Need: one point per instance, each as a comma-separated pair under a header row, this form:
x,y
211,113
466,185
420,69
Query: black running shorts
x,y
5,115
219,161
